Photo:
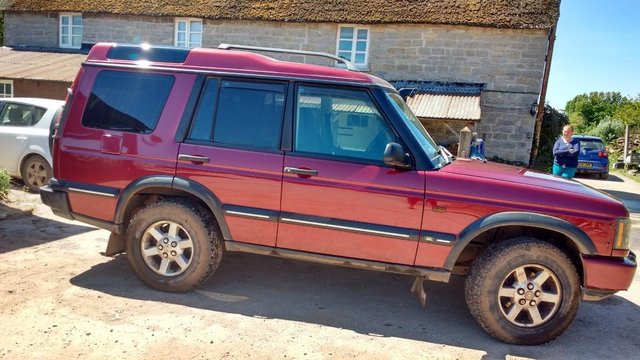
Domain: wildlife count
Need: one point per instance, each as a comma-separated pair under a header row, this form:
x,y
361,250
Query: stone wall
x,y
509,61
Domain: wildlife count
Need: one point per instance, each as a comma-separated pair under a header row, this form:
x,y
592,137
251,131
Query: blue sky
x,y
597,49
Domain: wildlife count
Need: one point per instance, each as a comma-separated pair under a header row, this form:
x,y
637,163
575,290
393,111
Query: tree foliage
x,y
587,111
552,123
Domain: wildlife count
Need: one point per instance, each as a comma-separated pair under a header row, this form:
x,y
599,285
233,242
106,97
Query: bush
x,y
608,130
5,183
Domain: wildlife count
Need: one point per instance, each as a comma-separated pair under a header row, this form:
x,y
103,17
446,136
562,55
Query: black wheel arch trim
x,y
575,234
171,182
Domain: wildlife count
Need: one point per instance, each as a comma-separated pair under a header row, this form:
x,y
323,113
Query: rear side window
x,y
246,114
20,115
127,101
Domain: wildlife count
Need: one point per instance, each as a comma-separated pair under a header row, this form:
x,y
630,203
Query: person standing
x,y
565,152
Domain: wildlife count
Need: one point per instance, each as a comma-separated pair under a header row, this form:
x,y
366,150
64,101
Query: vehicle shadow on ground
x,y
27,231
611,178
366,302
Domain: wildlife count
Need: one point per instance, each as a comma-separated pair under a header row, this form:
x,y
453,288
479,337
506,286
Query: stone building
x,y
496,47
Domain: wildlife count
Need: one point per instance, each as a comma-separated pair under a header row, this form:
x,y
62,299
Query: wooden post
x,y
464,145
626,144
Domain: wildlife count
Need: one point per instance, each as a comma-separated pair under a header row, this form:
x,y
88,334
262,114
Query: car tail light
x,y
603,154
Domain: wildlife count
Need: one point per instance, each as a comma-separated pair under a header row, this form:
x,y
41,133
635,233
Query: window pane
x,y
345,55
203,122
76,31
346,33
65,20
65,31
77,41
249,114
182,37
182,26
196,26
359,58
77,20
38,113
16,115
195,38
362,34
65,40
135,110
345,45
353,127
361,46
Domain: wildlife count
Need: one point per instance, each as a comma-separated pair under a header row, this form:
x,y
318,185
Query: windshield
x,y
419,132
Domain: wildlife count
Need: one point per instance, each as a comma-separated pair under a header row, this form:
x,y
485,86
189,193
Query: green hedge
x,y
5,182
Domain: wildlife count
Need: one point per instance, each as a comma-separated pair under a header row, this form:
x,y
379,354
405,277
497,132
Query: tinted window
x,y
591,144
126,101
247,114
202,128
340,122
17,115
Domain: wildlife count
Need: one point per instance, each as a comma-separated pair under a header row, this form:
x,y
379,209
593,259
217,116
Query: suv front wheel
x,y
173,245
523,291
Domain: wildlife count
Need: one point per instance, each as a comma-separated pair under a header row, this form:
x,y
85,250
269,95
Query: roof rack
x,y
347,63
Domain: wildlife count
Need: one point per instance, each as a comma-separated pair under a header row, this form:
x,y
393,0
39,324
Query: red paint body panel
x,y
100,207
346,244
608,274
241,178
81,160
362,193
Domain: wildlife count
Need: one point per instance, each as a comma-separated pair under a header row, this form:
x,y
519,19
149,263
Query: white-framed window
x,y
353,44
188,32
71,30
6,88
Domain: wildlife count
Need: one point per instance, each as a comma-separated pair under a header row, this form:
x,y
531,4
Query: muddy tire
x,y
523,291
35,173
173,245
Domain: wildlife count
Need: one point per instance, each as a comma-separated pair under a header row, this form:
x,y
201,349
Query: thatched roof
x,y
519,14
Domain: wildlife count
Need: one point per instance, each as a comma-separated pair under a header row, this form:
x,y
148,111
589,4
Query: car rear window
x,y
591,144
127,101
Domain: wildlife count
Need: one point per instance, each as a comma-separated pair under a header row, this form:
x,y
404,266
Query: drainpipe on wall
x,y
543,95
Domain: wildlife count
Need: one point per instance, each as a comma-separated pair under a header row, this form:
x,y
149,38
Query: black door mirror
x,y
395,156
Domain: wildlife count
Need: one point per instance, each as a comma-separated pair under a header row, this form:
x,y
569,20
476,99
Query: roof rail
x,y
347,63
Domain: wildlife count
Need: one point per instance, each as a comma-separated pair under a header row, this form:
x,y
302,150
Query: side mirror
x,y
395,156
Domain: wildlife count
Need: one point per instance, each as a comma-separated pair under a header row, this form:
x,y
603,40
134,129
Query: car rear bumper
x,y
56,199
605,276
592,167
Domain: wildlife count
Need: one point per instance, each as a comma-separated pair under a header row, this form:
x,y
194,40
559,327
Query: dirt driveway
x,y
61,299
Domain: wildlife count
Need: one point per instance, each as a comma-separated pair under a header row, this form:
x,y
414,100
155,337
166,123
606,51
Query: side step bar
x,y
424,273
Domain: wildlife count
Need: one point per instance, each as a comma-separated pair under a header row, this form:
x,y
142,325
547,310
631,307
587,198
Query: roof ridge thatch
x,y
521,14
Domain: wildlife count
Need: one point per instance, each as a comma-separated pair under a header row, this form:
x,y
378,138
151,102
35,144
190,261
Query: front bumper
x,y
604,276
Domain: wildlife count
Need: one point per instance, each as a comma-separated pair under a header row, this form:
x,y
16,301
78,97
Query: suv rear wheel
x,y
523,291
173,245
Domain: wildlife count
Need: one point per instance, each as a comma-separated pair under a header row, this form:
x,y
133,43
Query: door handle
x,y
201,159
298,171
20,137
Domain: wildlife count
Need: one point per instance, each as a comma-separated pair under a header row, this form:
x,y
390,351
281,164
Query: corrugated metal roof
x,y
39,65
452,107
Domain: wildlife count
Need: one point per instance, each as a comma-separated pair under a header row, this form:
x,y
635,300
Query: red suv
x,y
187,154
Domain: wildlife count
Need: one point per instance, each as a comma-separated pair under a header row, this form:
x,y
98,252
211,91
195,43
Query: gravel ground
x,y
61,299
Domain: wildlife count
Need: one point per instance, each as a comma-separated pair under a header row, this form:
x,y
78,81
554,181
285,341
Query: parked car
x,y
593,157
24,138
185,155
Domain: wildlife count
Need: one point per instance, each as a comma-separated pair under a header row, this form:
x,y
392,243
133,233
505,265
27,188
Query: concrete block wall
x,y
510,62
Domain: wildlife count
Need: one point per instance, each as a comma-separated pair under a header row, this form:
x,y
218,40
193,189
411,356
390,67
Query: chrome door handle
x,y
298,171
20,137
202,159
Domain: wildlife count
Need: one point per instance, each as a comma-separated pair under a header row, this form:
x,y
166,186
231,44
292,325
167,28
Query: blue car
x,y
593,157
